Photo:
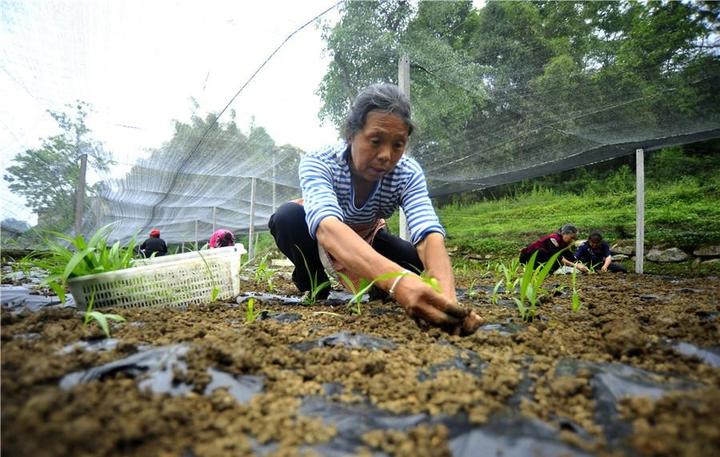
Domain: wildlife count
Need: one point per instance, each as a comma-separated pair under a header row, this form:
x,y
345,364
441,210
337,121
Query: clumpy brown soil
x,y
546,370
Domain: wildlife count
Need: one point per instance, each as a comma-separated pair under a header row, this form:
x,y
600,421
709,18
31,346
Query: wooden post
x,y
404,85
639,210
251,229
80,195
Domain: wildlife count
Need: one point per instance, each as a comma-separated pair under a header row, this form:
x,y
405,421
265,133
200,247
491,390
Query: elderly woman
x,y
550,245
347,192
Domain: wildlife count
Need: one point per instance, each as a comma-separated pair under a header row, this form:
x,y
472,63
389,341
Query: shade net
x,y
192,110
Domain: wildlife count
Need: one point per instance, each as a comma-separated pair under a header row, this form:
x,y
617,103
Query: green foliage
x,y
684,212
47,177
575,292
315,287
100,318
365,285
507,277
250,312
531,285
263,275
80,257
215,292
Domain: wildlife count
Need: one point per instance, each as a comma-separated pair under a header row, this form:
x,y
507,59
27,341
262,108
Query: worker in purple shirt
x,y
595,253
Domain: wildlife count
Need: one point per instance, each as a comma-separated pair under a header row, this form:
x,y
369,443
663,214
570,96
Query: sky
x,y
139,63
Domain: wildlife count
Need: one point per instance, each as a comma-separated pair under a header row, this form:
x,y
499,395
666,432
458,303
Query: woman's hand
x,y
420,301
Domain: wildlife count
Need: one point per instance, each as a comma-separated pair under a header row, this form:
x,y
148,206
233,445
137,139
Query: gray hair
x,y
568,229
378,97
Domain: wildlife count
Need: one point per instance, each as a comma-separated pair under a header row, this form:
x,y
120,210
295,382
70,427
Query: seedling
x,y
576,293
87,257
263,275
250,313
364,286
100,318
215,292
509,278
531,286
315,288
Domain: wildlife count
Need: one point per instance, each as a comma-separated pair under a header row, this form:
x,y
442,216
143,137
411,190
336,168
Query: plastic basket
x,y
169,281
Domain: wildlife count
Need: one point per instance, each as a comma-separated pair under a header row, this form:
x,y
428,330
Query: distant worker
x,y
550,245
153,245
595,253
222,238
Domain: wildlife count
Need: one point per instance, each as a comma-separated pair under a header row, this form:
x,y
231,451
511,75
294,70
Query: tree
x,y
47,177
501,91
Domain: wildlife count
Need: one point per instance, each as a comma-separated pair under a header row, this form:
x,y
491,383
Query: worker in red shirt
x,y
550,245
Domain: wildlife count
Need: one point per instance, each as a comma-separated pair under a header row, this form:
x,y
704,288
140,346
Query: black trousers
x,y
292,236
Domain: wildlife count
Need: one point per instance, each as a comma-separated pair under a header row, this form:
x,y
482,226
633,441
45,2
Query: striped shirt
x,y
326,183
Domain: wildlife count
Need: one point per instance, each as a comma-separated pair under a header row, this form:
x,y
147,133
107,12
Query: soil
x,y
613,379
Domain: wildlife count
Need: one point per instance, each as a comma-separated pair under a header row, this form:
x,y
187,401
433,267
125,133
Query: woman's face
x,y
569,237
377,148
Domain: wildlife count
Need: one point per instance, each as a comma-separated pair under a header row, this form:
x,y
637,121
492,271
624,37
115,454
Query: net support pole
x,y
214,217
80,195
274,164
404,85
639,210
196,235
251,229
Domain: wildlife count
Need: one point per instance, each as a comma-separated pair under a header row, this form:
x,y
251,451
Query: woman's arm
x,y
417,298
437,264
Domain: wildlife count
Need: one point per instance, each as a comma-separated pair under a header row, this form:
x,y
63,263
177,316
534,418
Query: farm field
x,y
636,371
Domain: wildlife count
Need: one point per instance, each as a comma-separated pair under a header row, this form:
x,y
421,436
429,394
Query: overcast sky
x,y
138,63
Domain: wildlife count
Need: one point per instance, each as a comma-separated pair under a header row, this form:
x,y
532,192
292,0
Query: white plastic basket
x,y
174,280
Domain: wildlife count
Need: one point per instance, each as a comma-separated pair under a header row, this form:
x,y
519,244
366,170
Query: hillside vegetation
x,y
682,207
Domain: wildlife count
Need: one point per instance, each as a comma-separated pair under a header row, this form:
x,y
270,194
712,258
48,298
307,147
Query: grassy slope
x,y
680,211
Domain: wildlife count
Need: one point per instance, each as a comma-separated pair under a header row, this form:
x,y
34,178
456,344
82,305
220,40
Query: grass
x,y
681,210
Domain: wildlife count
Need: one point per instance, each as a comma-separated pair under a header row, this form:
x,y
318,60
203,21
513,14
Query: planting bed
x,y
635,372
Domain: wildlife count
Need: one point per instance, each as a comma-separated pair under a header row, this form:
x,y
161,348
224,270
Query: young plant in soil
x,y
80,258
315,288
263,275
100,318
250,312
509,278
363,287
531,286
575,292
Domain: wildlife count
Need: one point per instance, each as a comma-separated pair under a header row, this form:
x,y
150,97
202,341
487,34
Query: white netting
x,y
500,93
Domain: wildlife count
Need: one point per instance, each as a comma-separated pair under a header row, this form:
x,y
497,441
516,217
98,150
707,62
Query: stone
x,y
711,262
620,257
707,251
281,263
671,255
626,247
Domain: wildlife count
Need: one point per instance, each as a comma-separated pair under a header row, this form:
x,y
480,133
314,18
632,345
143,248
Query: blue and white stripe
x,y
325,180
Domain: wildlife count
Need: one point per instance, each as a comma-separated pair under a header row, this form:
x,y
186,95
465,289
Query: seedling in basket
x,y
215,292
315,288
81,258
100,318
